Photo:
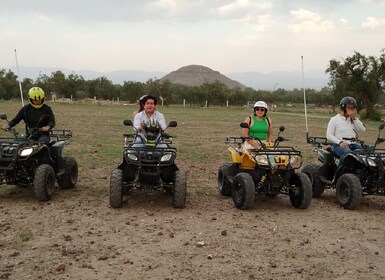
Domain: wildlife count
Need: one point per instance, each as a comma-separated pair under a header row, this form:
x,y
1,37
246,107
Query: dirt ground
x,y
77,236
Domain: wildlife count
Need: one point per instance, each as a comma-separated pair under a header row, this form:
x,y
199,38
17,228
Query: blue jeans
x,y
341,152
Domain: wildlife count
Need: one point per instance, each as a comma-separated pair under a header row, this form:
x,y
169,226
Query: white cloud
x,y
307,21
243,7
373,23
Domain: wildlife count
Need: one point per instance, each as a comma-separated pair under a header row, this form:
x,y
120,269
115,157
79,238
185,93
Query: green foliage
x,y
359,76
26,235
376,115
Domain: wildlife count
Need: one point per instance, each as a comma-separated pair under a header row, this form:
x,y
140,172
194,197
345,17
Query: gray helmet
x,y
347,100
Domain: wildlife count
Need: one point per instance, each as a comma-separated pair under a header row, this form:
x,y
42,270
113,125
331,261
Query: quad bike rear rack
x,y
60,135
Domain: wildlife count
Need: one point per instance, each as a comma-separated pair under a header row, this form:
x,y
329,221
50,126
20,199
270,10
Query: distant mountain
x,y
195,75
256,80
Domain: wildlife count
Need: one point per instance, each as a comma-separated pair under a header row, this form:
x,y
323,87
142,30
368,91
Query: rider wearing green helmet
x,y
36,115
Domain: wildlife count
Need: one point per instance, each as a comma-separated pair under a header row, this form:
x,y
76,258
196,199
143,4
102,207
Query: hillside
x,y
195,75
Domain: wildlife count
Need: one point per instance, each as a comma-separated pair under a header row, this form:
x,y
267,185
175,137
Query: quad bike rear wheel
x,y
116,188
226,170
179,189
349,191
243,191
44,182
70,177
312,171
301,194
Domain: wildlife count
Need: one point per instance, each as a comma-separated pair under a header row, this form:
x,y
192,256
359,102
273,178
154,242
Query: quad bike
x,y
362,172
29,163
148,165
268,170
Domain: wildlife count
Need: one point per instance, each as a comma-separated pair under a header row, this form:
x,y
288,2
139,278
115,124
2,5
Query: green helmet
x,y
36,93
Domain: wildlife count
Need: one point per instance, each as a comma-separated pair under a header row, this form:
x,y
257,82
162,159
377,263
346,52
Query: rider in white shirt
x,y
343,127
149,115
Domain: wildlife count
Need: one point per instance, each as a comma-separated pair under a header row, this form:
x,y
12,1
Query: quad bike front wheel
x,y
243,191
301,191
179,189
312,171
69,179
226,170
349,191
116,188
44,182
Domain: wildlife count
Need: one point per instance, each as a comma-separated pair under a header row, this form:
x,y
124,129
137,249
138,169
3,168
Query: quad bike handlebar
x,y
160,135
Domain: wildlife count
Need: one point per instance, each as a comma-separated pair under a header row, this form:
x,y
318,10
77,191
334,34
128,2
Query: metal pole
x,y
18,77
304,99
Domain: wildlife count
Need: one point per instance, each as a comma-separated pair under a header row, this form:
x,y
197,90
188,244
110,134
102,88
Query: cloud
x,y
373,23
243,8
307,21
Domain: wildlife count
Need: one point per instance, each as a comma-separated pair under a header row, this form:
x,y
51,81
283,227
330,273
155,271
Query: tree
x,y
9,87
132,91
360,77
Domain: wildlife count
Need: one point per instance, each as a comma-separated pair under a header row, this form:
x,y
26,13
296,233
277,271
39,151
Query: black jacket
x,y
31,117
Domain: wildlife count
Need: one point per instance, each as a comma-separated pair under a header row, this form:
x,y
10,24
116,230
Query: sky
x,y
228,36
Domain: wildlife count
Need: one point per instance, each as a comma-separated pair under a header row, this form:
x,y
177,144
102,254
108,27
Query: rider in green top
x,y
260,126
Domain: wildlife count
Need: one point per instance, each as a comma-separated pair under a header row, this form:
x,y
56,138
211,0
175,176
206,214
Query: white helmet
x,y
261,104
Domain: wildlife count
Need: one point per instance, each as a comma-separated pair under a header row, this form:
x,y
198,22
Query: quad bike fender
x,y
355,161
43,155
57,148
325,156
245,160
236,156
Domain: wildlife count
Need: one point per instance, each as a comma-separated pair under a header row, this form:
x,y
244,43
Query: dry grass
x,y
98,129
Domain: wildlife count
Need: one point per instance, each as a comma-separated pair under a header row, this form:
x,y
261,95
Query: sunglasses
x,y
259,109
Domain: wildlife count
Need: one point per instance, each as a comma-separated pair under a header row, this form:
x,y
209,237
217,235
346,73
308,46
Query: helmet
x,y
151,129
347,100
261,104
141,99
146,97
36,93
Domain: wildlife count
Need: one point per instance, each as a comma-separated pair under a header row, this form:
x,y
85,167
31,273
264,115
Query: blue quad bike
x,y
148,165
362,172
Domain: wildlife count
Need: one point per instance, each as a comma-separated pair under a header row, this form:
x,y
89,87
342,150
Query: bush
x,y
375,117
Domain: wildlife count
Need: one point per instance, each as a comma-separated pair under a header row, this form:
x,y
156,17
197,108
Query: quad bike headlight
x,y
371,162
166,157
295,161
261,160
26,152
132,157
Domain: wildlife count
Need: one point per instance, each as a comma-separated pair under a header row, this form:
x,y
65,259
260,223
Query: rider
x,y
342,128
149,115
32,114
260,126
141,106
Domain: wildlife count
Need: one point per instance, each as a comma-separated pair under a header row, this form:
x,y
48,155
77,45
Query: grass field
x,y
200,137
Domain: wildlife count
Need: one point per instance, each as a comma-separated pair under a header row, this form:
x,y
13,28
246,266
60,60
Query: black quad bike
x,y
268,170
148,165
362,172
29,163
